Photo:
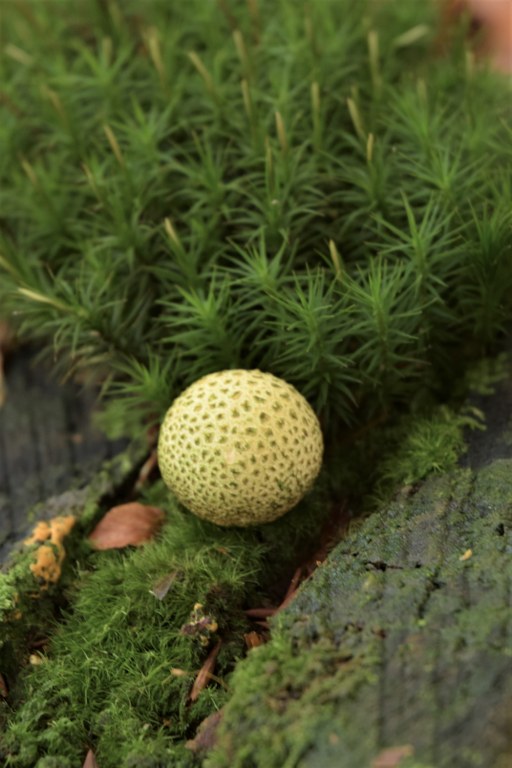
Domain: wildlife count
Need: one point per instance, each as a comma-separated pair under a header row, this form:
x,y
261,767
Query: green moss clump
x,y
428,444
305,190
118,670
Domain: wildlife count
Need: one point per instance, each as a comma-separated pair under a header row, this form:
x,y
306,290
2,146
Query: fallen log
x,y
397,651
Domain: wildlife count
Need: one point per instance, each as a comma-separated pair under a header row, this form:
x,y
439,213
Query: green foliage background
x,y
307,189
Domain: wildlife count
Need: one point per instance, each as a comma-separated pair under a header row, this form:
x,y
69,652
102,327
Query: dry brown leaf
x,y
90,761
177,672
260,613
126,525
292,589
490,32
4,691
392,756
206,736
204,675
496,18
253,639
7,336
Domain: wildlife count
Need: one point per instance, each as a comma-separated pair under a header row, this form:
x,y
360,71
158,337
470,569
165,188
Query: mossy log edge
x,y
401,639
25,605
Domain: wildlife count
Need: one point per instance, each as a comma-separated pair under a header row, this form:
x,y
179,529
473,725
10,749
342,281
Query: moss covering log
x,y
38,571
402,638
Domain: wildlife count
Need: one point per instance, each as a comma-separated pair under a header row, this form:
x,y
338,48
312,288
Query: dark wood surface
x,y
495,442
48,442
400,643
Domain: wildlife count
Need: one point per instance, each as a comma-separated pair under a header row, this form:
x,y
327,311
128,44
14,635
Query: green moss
x,y
306,191
301,691
108,676
483,376
117,648
425,445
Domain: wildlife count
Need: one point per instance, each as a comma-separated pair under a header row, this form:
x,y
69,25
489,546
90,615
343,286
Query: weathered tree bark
x,y
398,650
403,638
48,443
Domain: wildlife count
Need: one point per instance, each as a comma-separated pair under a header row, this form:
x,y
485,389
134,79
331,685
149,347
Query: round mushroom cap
x,y
240,447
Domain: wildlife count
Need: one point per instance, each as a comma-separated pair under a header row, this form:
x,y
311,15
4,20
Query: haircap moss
x,y
240,447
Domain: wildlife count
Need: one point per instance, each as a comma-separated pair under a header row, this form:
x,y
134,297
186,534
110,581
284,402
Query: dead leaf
x,y
90,760
265,613
496,20
126,525
205,738
392,756
205,674
6,336
260,613
224,551
292,589
4,691
490,30
253,639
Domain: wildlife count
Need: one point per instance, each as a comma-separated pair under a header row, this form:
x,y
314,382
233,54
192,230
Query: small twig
x,y
294,583
205,674
146,470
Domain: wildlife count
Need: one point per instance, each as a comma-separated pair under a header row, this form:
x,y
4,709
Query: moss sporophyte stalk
x,y
311,191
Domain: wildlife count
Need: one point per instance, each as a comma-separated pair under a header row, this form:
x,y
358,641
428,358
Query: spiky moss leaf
x,y
133,176
240,447
300,692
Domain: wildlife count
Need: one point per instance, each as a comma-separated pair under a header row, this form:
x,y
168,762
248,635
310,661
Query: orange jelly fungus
x,y
40,533
51,553
48,564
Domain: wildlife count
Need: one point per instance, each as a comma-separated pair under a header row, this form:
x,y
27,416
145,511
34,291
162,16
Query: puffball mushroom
x,y
240,447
